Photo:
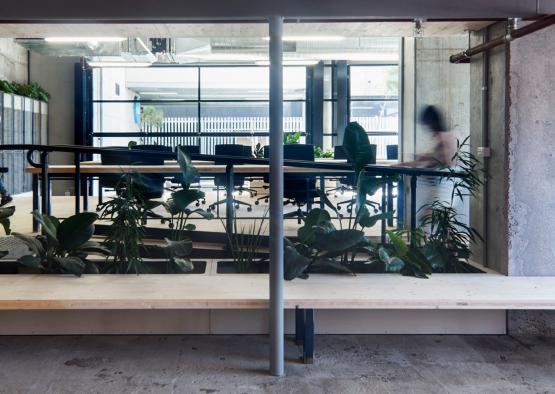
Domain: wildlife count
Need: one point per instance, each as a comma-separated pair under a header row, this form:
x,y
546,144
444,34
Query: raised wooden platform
x,y
249,291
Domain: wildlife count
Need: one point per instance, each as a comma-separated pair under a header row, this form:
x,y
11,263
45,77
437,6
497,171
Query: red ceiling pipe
x,y
511,35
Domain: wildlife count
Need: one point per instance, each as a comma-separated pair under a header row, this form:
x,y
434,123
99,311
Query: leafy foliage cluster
x,y
444,248
33,90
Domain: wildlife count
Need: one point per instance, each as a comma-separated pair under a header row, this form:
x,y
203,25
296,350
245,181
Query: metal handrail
x,y
233,160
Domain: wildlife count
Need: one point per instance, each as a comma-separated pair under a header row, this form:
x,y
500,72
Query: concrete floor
x,y
237,364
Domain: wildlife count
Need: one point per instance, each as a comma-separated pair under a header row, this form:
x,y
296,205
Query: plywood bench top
x,y
250,291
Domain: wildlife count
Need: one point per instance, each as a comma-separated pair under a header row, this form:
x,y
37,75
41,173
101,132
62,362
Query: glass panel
x,y
145,118
328,82
374,82
152,83
294,83
328,125
234,83
376,115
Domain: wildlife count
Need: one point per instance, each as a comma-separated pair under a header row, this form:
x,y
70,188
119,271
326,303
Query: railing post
x,y
229,203
413,180
45,184
77,182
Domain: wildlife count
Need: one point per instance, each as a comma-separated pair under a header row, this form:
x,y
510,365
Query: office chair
x,y
346,183
238,180
298,189
265,179
152,184
392,152
351,182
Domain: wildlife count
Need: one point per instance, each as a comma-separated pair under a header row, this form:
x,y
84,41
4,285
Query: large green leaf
x,y
183,265
326,200
339,240
295,264
31,261
69,265
76,230
49,227
32,243
6,212
181,248
357,147
181,199
6,225
188,171
94,248
318,221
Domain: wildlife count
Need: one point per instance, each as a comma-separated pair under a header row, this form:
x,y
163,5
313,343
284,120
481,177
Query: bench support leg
x,y
304,333
299,326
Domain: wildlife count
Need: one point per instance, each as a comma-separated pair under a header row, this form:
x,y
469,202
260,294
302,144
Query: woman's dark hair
x,y
431,117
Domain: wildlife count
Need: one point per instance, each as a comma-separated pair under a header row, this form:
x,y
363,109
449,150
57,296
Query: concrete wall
x,y
56,75
491,201
13,61
531,148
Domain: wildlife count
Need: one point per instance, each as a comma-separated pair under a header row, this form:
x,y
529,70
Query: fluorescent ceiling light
x,y
289,62
119,64
310,38
84,39
159,93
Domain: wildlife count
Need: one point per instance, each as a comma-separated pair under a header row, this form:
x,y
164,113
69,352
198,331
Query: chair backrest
x,y
392,152
299,187
339,153
298,152
154,183
234,150
190,149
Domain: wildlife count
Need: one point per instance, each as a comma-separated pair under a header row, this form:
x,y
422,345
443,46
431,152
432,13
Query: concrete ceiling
x,y
245,30
179,10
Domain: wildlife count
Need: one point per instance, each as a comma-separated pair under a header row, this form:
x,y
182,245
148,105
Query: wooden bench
x,y
250,291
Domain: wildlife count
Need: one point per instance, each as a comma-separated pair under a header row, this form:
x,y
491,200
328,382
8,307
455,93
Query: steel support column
x,y
276,197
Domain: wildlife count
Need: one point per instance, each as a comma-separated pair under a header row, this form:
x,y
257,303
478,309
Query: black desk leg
x,y
299,326
390,202
85,184
229,202
35,201
77,183
323,189
45,184
304,333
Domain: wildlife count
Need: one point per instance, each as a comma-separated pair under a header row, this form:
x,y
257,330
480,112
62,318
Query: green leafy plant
x,y
259,151
319,153
292,138
245,242
179,247
444,239
319,246
151,116
33,90
5,214
63,247
126,211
